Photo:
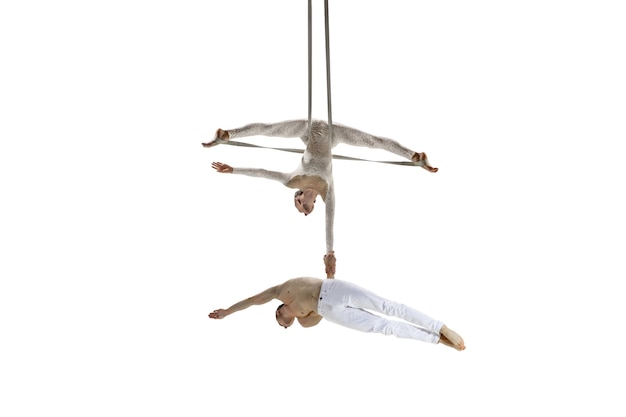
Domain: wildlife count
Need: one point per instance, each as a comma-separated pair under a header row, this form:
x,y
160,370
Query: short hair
x,y
297,193
278,308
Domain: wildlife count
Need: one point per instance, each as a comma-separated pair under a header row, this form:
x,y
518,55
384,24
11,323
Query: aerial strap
x,y
330,113
296,150
310,48
310,61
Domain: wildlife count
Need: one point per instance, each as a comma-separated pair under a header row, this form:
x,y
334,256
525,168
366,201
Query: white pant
x,y
345,304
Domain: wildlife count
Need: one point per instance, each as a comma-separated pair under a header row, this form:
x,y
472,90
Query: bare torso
x,y
302,182
301,295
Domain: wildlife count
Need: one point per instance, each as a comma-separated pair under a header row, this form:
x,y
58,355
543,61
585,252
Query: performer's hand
x,y
221,136
330,263
218,314
222,168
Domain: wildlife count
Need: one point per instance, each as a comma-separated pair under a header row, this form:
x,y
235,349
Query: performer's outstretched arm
x,y
281,177
261,298
330,217
354,137
329,258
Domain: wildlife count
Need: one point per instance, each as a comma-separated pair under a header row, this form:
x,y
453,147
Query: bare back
x,y
301,294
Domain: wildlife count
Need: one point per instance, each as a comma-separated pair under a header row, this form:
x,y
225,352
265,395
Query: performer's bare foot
x,y
422,160
451,338
330,262
446,342
221,136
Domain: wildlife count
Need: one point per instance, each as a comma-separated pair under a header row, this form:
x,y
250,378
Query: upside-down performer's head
x,y
304,200
283,317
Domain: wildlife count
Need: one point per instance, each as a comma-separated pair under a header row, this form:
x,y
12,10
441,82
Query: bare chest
x,y
302,182
303,308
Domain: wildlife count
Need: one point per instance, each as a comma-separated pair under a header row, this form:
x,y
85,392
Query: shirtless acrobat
x,y
308,300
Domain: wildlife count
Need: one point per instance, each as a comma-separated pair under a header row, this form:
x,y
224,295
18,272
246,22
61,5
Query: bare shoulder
x,y
306,281
295,286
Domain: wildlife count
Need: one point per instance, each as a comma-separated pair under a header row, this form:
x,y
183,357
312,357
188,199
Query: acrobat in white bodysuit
x,y
313,176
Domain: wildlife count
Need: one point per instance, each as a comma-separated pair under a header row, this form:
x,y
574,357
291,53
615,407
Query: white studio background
x,y
117,238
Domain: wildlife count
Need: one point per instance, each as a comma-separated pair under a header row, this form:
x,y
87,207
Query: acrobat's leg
x,y
362,320
354,296
354,137
288,129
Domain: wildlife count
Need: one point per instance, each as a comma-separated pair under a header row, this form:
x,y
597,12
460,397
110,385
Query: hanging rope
x,y
330,113
310,64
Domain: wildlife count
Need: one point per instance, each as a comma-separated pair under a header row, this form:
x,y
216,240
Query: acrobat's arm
x,y
281,177
329,258
356,137
261,298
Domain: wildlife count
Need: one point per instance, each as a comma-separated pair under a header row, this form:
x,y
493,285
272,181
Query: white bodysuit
x,y
316,163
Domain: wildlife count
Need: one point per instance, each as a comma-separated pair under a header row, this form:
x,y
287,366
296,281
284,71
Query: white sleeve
x,y
281,177
330,217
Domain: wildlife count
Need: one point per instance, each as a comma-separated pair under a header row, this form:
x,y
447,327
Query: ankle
x,y
222,134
